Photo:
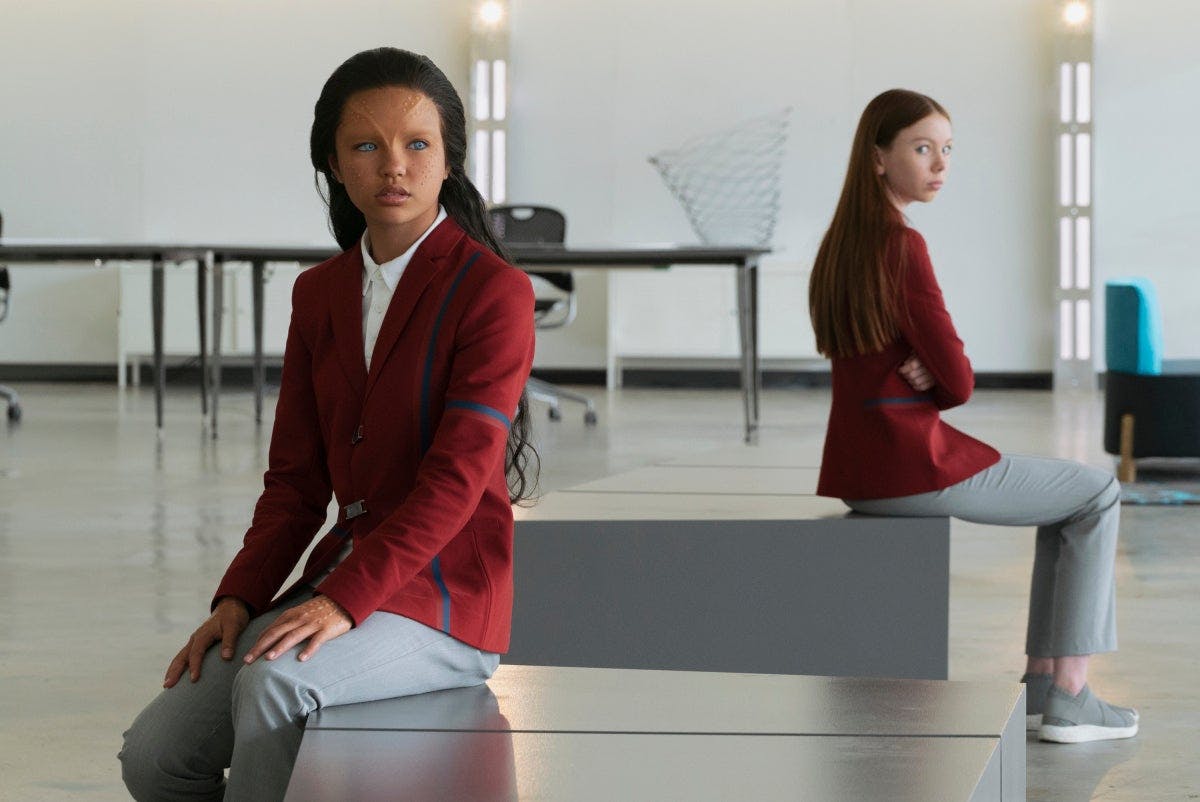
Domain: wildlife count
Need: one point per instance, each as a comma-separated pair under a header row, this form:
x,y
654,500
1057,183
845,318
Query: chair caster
x,y
589,418
555,413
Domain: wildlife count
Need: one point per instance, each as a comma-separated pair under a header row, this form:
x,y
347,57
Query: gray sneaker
x,y
1069,719
1036,688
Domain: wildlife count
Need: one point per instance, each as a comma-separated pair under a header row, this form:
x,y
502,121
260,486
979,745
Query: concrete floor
x,y
112,540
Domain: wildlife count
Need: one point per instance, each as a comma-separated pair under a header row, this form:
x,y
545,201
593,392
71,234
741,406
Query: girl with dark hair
x,y
879,316
402,395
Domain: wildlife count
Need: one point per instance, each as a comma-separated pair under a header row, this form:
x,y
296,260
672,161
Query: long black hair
x,y
389,66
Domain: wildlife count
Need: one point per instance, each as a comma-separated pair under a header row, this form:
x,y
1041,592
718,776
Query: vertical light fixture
x,y
1074,193
489,99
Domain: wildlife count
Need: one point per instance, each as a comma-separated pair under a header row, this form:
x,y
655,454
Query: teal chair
x,y
1151,405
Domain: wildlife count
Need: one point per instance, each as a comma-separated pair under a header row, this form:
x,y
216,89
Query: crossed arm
x,y
916,374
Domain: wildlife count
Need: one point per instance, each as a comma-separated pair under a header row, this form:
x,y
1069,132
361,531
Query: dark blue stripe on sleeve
x,y
426,427
436,565
484,408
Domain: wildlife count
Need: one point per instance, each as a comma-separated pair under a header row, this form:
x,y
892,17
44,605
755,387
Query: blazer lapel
x,y
346,313
426,263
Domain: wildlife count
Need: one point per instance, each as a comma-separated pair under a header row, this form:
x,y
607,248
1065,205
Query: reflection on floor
x,y
112,540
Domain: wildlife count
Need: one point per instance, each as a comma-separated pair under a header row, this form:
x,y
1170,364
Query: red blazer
x,y
884,438
420,441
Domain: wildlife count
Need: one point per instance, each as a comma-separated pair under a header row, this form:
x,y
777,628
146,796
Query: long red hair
x,y
853,301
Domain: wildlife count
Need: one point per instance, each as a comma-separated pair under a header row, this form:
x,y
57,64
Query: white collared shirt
x,y
375,299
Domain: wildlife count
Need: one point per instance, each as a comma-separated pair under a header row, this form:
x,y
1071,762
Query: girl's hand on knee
x,y
228,621
916,374
319,619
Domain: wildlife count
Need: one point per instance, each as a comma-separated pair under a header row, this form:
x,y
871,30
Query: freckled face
x,y
914,166
390,156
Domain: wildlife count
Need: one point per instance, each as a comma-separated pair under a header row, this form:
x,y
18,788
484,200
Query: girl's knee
x,y
177,748
137,764
250,682
149,767
1104,487
269,687
1110,496
261,676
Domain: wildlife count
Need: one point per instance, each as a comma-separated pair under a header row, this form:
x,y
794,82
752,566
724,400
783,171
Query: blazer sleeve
x,y
926,325
493,353
296,486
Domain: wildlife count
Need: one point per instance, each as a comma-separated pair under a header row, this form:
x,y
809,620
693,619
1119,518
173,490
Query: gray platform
x,y
464,766
560,733
709,480
658,506
795,452
741,583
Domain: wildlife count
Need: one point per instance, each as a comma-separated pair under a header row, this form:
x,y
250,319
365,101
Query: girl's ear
x,y
333,167
877,157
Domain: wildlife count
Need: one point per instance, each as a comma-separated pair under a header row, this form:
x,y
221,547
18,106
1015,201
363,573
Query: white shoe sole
x,y
1083,733
1033,722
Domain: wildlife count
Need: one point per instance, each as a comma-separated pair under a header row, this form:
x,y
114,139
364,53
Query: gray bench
x,y
724,564
606,576
598,734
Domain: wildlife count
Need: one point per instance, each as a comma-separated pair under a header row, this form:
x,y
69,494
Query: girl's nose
x,y
394,162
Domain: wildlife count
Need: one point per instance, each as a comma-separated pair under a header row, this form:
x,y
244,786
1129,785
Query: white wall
x,y
69,166
176,120
1147,207
182,120
599,87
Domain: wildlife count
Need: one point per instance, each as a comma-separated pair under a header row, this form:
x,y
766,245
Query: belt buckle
x,y
354,510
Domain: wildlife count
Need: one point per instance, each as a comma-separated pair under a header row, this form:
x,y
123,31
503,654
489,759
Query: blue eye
x,y
946,150
922,149
365,147
420,144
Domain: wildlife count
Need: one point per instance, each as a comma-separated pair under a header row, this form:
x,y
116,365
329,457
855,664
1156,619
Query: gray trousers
x,y
1076,509
251,718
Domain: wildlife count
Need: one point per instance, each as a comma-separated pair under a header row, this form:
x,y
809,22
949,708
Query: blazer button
x,y
358,435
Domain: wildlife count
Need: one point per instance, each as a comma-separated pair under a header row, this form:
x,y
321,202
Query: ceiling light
x,y
491,12
1075,13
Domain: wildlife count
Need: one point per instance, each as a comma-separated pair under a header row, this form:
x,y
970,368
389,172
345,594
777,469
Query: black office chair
x,y
7,393
541,224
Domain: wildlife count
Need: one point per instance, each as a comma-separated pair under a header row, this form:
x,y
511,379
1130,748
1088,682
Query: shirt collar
x,y
393,268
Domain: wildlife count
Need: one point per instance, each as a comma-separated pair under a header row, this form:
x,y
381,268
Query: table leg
x,y
202,316
746,342
156,312
218,310
755,367
256,287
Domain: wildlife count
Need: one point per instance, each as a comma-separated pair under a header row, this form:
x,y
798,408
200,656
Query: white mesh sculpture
x,y
728,182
